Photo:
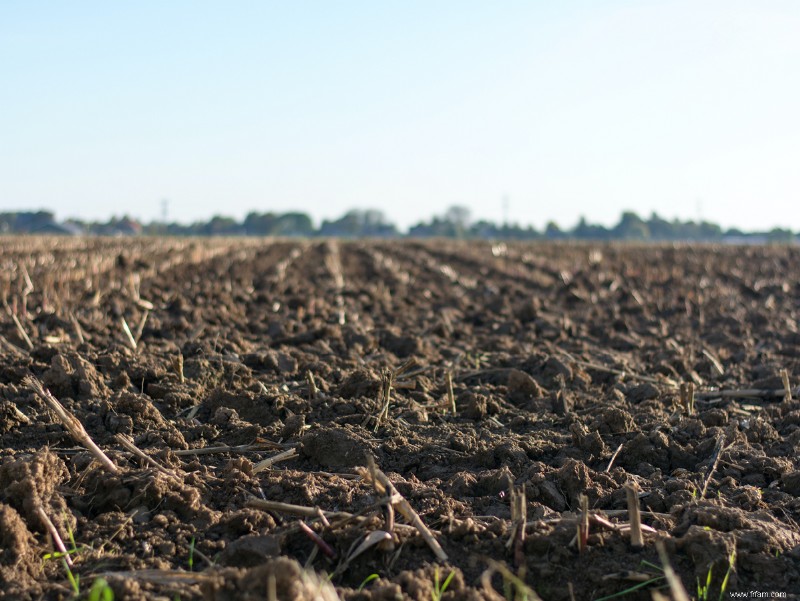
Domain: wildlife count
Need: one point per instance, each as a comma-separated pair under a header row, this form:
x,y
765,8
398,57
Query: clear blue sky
x,y
570,108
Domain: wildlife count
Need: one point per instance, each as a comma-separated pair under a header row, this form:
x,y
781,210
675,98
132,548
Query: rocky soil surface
x,y
369,420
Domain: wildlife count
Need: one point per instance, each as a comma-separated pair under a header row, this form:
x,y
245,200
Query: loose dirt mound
x,y
241,389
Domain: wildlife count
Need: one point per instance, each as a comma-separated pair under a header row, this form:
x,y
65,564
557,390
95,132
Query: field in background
x,y
407,409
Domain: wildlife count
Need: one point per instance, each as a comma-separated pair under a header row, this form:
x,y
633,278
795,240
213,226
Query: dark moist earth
x,y
564,359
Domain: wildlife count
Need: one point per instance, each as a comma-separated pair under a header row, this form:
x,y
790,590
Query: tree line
x,y
456,222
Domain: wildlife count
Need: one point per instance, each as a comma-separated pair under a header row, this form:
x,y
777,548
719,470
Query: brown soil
x,y
561,357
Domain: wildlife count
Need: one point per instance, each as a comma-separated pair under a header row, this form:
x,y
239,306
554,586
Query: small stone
x,y
472,406
336,448
142,515
550,495
791,483
250,550
293,425
643,392
522,387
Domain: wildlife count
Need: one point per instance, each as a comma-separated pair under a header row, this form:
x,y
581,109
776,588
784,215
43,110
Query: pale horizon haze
x,y
567,109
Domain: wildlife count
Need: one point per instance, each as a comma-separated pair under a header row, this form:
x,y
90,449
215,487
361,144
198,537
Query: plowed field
x,y
438,412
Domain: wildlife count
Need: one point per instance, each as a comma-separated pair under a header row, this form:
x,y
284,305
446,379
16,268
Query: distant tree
x,y
260,224
26,221
780,236
294,224
375,220
735,232
437,228
357,223
485,229
223,226
350,225
587,231
660,229
455,222
710,231
459,217
631,227
552,231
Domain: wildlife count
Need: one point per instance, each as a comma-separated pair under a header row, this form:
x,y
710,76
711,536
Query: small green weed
x,y
74,579
731,563
100,591
514,586
440,588
191,555
704,589
367,580
658,576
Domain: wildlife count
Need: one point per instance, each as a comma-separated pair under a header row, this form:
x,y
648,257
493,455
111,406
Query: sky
x,y
564,109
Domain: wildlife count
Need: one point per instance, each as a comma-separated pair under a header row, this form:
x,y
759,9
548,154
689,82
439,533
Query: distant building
x,y
58,229
128,227
744,240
